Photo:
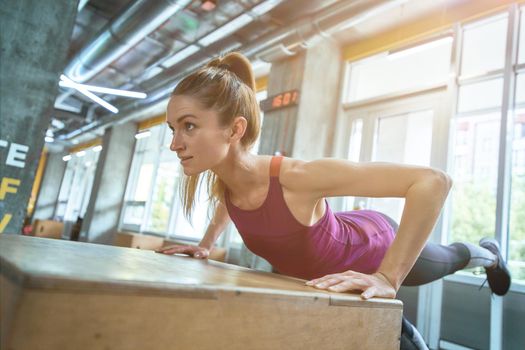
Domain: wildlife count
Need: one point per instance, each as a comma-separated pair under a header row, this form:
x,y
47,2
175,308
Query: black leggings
x,y
435,261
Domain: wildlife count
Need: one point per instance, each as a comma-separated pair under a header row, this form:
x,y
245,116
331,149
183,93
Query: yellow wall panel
x,y
437,22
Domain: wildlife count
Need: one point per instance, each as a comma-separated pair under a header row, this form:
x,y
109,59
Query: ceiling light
x,y
143,134
66,158
226,29
179,56
208,5
150,73
65,103
58,124
103,90
87,93
49,139
97,148
80,154
265,6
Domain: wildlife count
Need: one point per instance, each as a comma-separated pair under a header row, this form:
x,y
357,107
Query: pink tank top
x,y
355,240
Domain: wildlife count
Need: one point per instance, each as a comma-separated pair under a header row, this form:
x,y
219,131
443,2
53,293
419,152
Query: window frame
x,y
432,295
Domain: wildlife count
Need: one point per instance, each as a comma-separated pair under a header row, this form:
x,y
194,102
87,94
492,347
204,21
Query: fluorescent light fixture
x,y
97,148
104,90
179,56
80,154
49,139
57,123
87,93
226,29
81,5
208,5
143,134
151,72
422,47
265,6
66,158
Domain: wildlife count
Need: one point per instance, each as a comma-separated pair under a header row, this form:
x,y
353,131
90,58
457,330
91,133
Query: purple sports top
x,y
353,240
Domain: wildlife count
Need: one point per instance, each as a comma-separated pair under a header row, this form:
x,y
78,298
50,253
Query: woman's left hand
x,y
375,285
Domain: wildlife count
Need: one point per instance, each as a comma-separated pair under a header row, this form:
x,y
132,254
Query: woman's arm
x,y
424,189
216,226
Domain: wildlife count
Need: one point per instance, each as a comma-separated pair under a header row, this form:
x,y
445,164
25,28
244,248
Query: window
x,y
483,95
484,46
354,148
153,202
65,188
520,88
476,131
404,138
77,183
423,65
195,229
521,44
140,182
475,173
168,173
517,205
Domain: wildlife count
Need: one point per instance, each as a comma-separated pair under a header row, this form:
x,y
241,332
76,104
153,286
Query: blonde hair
x,y
227,86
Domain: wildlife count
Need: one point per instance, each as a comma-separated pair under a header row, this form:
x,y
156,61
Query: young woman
x,y
278,204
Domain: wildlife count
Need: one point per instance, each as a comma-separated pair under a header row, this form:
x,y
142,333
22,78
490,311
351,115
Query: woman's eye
x,y
189,126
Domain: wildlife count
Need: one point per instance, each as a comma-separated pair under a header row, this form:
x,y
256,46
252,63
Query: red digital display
x,y
282,100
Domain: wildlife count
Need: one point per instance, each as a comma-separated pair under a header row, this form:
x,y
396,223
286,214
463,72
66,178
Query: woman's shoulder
x,y
301,175
291,171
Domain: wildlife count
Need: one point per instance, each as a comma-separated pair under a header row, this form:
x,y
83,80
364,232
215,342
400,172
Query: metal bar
x,y
504,168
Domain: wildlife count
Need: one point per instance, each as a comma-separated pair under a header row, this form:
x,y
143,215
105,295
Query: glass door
x,y
409,130
397,131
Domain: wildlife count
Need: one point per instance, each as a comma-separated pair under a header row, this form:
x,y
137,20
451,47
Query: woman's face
x,y
200,142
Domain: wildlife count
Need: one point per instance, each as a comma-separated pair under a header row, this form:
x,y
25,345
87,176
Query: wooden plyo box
x,y
141,241
217,254
72,295
135,240
48,228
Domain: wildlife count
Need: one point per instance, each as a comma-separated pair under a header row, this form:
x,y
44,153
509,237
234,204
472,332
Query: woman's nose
x,y
176,143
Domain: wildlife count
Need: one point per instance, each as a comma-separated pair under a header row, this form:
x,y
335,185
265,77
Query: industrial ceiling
x,y
148,45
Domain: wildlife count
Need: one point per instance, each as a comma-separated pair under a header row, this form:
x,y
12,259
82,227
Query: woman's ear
x,y
238,128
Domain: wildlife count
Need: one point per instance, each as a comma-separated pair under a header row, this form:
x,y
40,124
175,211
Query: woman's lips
x,y
185,160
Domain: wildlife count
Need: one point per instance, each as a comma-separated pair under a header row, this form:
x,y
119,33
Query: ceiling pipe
x,y
299,35
296,37
139,20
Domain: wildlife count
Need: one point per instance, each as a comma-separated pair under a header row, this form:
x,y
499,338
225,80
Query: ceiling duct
x,y
275,45
139,20
282,42
307,31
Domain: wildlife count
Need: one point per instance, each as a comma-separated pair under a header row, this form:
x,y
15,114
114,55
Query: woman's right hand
x,y
191,250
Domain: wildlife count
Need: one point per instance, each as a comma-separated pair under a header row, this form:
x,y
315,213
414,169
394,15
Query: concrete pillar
x,y
305,131
34,38
49,189
319,102
279,125
107,196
